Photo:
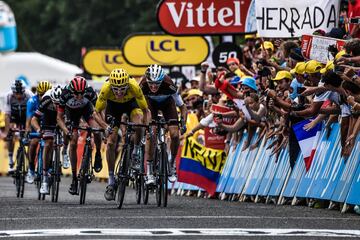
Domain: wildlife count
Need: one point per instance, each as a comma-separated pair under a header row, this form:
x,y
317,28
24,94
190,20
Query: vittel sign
x,y
200,17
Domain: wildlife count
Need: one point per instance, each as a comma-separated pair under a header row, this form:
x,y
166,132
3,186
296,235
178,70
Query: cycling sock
x,y
31,167
149,167
11,161
64,150
74,175
111,180
136,149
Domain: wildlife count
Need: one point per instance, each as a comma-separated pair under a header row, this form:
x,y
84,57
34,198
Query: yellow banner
x,y
211,159
143,50
102,62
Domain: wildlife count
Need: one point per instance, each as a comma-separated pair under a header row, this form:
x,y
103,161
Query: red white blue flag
x,y
308,140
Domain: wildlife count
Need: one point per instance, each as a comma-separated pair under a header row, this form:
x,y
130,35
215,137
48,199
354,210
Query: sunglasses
x,y
78,93
154,83
119,89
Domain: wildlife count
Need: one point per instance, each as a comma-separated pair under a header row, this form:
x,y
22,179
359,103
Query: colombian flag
x,y
200,166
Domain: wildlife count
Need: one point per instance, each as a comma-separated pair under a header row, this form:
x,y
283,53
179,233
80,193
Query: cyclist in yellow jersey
x,y
120,95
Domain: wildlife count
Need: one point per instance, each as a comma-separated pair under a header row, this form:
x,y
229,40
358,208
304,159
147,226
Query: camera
x,y
300,90
355,20
339,69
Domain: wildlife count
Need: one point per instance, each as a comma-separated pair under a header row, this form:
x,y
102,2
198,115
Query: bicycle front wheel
x,y
123,175
164,175
55,176
84,174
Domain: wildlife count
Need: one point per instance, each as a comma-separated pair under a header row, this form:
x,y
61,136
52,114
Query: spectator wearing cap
x,y
298,82
284,79
195,82
237,68
194,101
312,69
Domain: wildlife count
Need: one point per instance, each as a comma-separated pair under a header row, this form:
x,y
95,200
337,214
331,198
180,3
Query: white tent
x,y
34,67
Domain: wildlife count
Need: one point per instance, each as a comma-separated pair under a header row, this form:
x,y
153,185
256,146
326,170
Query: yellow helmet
x,y
119,77
42,87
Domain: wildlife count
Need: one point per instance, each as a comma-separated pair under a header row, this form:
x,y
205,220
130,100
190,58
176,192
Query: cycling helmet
x,y
119,78
18,86
42,87
155,73
78,85
56,93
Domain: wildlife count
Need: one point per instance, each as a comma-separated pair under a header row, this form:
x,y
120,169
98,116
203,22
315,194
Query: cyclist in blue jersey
x,y
31,106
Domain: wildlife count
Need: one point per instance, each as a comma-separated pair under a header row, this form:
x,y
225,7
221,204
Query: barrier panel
x,y
226,170
245,167
296,175
257,172
268,176
354,191
306,180
325,181
282,172
348,174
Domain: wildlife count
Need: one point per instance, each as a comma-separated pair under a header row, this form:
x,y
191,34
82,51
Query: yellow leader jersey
x,y
134,91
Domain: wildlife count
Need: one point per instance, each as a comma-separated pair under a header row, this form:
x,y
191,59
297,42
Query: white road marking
x,y
183,232
180,217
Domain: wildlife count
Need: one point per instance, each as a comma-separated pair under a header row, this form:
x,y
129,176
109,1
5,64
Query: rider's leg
x,y
97,140
136,117
32,153
111,155
47,154
64,153
73,154
174,146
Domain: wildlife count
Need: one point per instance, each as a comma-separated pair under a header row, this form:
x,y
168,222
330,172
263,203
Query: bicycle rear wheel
x,y
123,175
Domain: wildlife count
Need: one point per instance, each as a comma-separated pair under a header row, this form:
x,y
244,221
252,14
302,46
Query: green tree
x,y
60,28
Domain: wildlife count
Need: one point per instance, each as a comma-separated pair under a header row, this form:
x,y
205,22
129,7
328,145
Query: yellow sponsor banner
x,y
103,61
143,50
211,159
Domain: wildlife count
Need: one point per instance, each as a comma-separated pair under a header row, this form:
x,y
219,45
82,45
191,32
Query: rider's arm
x,y
100,105
180,103
7,114
29,113
60,120
141,102
35,123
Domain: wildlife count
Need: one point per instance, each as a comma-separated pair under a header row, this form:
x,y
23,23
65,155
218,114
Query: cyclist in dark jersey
x,y
46,113
161,95
76,102
15,115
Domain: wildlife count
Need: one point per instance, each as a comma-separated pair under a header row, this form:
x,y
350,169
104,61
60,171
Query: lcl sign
x,y
199,17
145,49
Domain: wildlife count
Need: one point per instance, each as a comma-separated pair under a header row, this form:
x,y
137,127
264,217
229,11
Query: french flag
x,y
308,140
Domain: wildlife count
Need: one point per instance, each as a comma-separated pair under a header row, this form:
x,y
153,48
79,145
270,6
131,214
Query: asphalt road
x,y
184,218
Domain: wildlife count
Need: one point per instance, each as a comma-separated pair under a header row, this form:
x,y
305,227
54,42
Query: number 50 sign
x,y
224,51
